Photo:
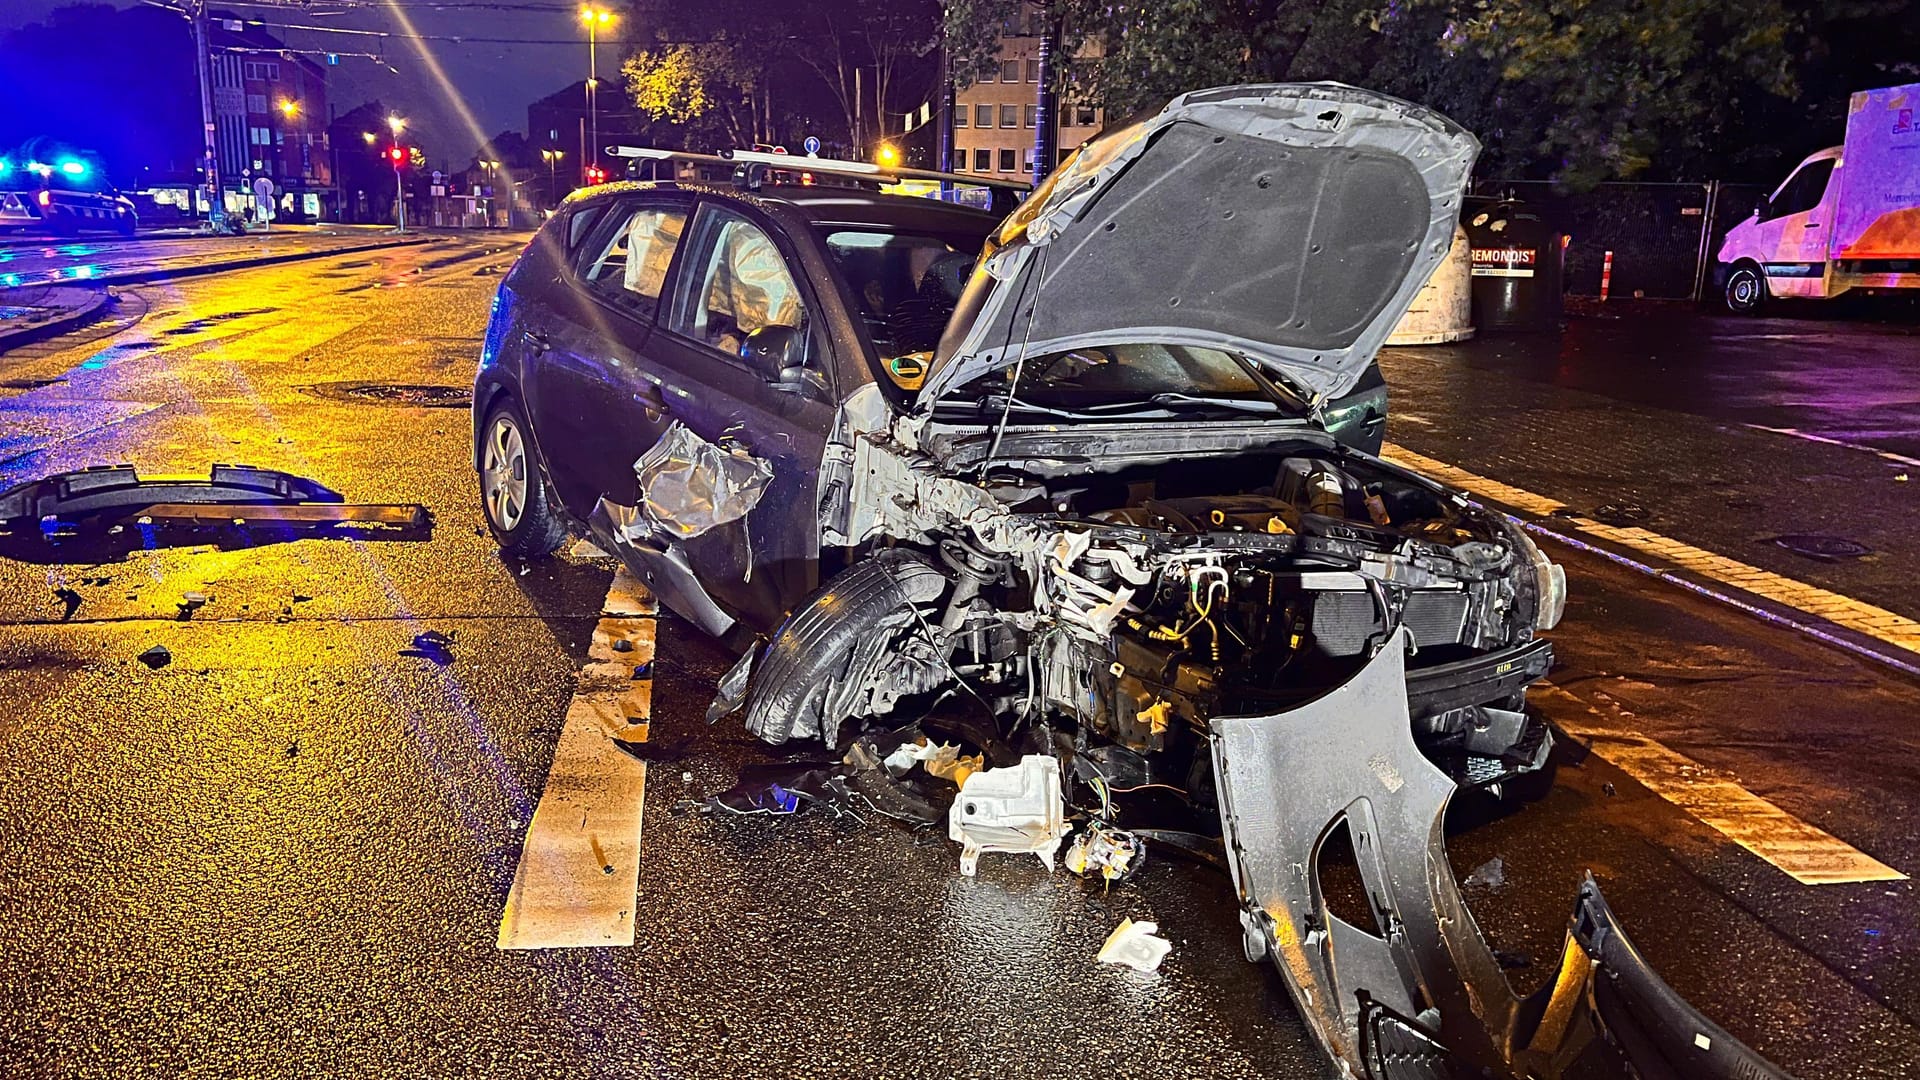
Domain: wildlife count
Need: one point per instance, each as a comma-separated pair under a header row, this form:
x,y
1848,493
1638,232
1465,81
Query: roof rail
x,y
861,170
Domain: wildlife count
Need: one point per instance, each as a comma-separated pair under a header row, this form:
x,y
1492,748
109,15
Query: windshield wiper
x,y
1242,404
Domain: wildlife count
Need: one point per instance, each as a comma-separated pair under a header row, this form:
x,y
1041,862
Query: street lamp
x,y
595,18
369,136
552,158
289,108
398,155
396,125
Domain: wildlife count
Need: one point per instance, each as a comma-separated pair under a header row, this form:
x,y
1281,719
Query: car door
x,y
1794,232
595,402
740,274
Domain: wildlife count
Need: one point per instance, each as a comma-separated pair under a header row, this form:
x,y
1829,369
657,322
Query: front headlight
x,y
1549,582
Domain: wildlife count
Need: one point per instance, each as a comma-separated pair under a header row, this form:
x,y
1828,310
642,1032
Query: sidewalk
x,y
30,313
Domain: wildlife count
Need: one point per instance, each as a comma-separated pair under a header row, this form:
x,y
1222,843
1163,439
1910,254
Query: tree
x,y
1582,90
714,85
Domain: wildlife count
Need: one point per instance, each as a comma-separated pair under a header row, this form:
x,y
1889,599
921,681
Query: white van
x,y
1848,217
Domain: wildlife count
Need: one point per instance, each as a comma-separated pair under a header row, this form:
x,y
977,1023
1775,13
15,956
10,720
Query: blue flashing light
x,y
74,168
37,167
5,165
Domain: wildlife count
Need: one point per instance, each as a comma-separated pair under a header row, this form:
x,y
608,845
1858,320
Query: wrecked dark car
x,y
1109,480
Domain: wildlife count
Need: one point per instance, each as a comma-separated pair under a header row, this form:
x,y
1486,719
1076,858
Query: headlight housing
x,y
1549,581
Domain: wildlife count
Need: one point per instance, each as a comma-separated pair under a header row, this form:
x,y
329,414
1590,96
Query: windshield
x,y
1092,379
904,283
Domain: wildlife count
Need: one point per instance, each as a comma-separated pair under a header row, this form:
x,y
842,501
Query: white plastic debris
x,y
1136,945
1015,809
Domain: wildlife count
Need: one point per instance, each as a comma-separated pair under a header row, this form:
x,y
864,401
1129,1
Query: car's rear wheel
x,y
512,494
1746,289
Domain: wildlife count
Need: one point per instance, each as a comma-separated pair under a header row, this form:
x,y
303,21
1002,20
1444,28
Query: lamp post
x,y
595,18
552,158
399,155
289,110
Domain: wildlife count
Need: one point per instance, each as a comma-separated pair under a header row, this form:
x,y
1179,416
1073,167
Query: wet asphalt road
x,y
286,852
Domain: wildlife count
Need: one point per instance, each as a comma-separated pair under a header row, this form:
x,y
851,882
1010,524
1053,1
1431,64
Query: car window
x,y
629,266
905,284
741,285
1803,192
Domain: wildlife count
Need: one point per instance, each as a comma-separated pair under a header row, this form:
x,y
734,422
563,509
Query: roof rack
x,y
746,173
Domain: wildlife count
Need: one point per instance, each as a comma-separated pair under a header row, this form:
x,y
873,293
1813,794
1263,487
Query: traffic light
x,y
397,155
596,175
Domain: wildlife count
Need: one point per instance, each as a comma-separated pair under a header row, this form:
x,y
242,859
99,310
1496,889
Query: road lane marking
x,y
1887,455
1811,855
580,863
1819,604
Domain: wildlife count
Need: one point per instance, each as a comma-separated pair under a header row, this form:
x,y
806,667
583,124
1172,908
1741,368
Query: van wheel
x,y
1746,289
513,495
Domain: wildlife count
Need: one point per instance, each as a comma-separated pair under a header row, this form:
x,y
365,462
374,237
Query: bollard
x,y
1606,274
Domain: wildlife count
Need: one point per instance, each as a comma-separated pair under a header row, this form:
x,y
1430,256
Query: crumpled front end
x,y
1418,993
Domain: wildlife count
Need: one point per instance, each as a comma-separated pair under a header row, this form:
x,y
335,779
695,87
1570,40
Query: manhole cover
x,y
1815,546
422,395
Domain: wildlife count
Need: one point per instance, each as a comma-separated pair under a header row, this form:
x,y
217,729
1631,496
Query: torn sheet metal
x,y
690,486
1013,809
1287,784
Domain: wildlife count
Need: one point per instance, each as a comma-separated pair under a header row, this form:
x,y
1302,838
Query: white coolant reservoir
x,y
1442,310
1013,809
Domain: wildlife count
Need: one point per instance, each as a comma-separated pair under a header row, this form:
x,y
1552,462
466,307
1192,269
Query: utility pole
x,y
1046,131
210,160
945,161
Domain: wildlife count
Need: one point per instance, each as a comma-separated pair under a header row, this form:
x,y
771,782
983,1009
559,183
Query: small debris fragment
x,y
190,603
157,657
1606,789
69,598
1900,478
788,788
643,671
1112,853
622,645
301,598
1136,945
1491,874
433,645
293,749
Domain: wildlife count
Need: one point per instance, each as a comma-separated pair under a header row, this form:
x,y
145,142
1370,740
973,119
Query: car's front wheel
x,y
1746,289
512,495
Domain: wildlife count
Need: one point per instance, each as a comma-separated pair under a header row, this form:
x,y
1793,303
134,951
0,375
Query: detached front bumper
x,y
1419,994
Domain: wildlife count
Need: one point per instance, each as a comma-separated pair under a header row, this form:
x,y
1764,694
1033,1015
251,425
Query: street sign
x,y
439,190
438,176
812,145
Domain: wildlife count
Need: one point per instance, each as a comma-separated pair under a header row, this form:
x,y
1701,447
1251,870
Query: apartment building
x,y
993,120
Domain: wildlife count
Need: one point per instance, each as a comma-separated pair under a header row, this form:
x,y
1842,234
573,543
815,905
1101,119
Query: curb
x,y
142,277
59,324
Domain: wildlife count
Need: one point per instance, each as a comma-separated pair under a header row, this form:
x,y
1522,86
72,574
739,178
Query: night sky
x,y
494,82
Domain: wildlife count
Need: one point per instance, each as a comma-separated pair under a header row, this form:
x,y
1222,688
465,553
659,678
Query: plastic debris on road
x,y
1136,945
1012,809
1104,850
787,788
157,657
433,645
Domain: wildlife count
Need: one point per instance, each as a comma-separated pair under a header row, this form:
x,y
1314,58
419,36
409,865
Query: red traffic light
x,y
596,174
396,155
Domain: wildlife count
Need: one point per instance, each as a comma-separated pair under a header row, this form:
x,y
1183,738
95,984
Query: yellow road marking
x,y
1812,856
1843,611
580,864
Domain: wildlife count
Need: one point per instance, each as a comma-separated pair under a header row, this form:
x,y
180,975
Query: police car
x,y
63,196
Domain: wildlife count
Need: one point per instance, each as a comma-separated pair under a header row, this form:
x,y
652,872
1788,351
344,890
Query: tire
x,y
513,494
1746,289
812,651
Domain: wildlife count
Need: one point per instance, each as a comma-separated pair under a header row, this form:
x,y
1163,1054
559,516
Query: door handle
x,y
1811,225
537,340
648,397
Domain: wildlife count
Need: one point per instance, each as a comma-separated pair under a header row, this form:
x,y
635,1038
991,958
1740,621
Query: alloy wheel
x,y
503,474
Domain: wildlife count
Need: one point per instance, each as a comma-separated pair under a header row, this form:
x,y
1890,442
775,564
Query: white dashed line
x,y
580,865
1821,605
1829,440
1812,856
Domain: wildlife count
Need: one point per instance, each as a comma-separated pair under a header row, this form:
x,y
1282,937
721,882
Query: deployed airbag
x,y
689,486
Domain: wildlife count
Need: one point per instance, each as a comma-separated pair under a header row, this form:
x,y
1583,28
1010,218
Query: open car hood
x,y
1292,223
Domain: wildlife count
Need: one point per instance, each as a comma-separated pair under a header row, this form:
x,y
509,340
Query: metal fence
x,y
1663,236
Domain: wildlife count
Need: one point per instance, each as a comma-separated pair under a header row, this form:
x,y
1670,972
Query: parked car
x,y
63,197
1105,475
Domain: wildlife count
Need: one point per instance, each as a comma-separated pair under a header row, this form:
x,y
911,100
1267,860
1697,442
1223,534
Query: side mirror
x,y
774,352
